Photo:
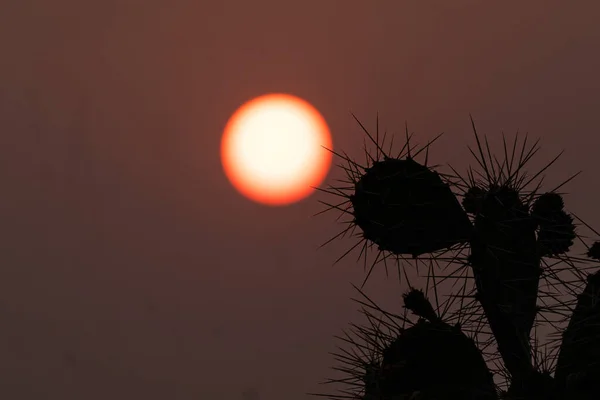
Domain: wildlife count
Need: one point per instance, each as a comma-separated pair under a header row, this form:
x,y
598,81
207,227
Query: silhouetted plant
x,y
506,242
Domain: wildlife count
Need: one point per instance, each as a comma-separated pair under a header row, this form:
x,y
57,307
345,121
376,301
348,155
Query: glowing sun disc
x,y
274,148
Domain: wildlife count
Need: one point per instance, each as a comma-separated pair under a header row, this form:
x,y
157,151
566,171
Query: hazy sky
x,y
130,268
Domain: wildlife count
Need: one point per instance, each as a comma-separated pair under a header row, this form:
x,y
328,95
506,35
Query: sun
x,y
274,149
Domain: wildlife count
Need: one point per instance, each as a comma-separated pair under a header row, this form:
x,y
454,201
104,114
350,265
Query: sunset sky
x,y
130,268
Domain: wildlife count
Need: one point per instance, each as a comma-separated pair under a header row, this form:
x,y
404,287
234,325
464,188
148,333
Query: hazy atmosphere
x,y
130,267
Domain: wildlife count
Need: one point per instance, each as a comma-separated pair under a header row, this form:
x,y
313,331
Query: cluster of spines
x,y
396,357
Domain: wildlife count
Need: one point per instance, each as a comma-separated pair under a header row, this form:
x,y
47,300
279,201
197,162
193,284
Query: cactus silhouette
x,y
506,245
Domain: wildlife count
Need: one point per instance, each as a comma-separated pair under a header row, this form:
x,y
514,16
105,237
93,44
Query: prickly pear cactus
x,y
507,243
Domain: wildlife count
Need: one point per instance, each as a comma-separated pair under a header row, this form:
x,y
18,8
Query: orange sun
x,y
274,149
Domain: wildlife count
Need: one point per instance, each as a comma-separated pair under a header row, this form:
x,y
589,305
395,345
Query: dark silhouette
x,y
507,243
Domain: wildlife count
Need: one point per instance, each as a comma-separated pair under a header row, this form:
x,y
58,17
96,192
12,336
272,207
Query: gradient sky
x,y
129,266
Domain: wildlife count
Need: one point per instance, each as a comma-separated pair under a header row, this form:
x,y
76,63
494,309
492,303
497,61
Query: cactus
x,y
509,246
